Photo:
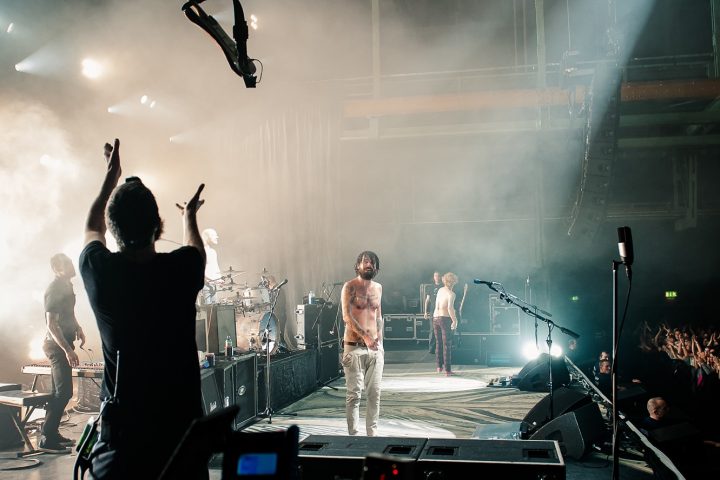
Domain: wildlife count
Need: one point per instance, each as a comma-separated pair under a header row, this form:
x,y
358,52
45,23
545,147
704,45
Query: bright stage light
x,y
20,67
10,28
36,348
92,69
530,352
152,104
143,99
253,22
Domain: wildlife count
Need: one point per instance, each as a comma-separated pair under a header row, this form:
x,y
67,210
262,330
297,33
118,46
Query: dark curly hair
x,y
373,258
132,215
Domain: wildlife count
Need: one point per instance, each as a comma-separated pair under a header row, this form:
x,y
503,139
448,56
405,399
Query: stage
x,y
416,403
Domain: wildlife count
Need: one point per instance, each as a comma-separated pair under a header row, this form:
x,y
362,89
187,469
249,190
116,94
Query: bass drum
x,y
251,332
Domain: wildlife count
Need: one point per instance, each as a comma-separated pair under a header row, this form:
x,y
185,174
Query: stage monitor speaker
x,y
328,362
564,400
575,431
333,456
210,393
535,375
220,325
246,391
516,459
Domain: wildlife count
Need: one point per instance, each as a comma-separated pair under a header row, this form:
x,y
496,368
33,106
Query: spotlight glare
x,y
253,22
19,67
152,104
530,352
10,28
111,109
556,350
143,99
91,69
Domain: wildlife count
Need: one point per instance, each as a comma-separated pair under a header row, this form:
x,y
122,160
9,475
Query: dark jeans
x,y
431,342
443,344
62,389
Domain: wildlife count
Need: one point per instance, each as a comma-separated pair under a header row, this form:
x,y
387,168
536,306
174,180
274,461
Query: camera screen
x,y
257,464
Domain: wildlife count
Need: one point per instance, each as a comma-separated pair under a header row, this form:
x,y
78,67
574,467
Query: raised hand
x,y
194,204
112,157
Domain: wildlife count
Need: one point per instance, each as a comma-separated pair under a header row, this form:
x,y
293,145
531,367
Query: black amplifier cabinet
x,y
449,459
315,318
328,362
236,380
220,323
332,456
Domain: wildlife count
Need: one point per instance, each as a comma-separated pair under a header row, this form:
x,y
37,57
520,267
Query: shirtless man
x,y
444,323
363,356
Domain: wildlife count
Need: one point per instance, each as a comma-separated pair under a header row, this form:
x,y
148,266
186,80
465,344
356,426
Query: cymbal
x,y
232,272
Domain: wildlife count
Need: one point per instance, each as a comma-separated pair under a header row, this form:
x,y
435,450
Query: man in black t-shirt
x,y
158,376
429,306
62,331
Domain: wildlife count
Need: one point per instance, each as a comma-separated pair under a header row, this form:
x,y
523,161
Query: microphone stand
x,y
268,412
613,378
319,343
533,310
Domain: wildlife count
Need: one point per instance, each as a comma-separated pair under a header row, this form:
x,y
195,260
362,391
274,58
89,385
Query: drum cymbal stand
x,y
268,412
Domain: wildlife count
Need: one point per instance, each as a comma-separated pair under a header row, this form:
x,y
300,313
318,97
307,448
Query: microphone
x,y
625,246
338,284
485,282
277,287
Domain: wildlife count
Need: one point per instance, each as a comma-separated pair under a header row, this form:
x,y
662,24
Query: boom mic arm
x,y
235,51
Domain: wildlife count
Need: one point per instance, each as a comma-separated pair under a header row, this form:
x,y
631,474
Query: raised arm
x,y
95,227
191,233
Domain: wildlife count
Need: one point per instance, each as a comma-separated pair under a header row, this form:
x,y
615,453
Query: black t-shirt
x,y
60,299
146,311
432,291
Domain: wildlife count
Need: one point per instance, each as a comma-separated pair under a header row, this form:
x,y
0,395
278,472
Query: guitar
x,y
458,330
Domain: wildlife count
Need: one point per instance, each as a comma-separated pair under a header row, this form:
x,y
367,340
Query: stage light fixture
x,y
91,68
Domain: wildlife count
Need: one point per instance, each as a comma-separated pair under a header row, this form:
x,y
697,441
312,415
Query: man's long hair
x,y
132,215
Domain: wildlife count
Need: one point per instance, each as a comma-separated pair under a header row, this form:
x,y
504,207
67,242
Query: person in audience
x,y
144,416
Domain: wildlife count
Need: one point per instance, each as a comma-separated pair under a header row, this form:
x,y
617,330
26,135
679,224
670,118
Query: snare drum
x,y
251,332
255,298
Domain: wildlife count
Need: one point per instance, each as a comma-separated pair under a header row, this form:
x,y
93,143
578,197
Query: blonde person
x,y
444,323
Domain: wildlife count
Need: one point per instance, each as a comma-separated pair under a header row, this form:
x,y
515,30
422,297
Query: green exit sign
x,y
670,294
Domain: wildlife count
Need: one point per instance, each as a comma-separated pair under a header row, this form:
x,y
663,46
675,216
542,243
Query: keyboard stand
x,y
14,401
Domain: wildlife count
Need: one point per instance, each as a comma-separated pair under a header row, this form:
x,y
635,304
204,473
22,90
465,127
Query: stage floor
x,y
416,402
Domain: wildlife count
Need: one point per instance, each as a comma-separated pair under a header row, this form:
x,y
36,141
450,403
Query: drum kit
x,y
253,315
